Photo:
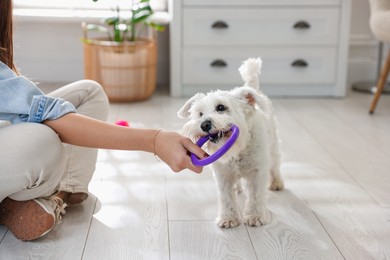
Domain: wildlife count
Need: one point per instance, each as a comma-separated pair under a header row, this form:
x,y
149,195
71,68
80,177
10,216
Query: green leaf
x,y
157,27
95,27
112,21
141,11
141,6
141,16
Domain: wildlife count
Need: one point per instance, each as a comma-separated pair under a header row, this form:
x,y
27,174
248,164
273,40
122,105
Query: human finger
x,y
193,148
192,167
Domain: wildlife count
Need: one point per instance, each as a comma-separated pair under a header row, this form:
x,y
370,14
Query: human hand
x,y
174,150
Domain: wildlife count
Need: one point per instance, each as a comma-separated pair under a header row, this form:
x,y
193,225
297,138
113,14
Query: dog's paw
x,y
257,220
276,184
238,188
228,223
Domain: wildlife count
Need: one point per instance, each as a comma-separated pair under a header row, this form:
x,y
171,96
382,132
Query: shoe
x,y
72,199
31,219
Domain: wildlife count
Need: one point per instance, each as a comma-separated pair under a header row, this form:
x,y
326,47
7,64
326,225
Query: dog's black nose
x,y
206,126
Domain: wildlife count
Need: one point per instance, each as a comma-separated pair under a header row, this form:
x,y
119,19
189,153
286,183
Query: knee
x,y
99,97
41,158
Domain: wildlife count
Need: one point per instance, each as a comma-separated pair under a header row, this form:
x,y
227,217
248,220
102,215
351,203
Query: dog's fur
x,y
253,158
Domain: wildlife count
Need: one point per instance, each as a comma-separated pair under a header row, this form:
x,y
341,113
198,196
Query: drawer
x,y
259,2
272,26
280,65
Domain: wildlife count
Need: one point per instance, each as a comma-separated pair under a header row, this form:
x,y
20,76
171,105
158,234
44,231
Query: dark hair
x,y
6,34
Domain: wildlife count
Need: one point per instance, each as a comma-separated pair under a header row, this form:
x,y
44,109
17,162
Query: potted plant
x,y
123,61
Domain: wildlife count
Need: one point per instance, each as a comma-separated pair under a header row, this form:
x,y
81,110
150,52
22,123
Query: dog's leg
x,y
256,213
228,214
276,178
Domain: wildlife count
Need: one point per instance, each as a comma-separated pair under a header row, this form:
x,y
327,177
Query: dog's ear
x,y
252,97
184,112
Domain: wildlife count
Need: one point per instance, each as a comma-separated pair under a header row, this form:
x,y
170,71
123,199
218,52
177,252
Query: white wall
x,y
363,54
52,51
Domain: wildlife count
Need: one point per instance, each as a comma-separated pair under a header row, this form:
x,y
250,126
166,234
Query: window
x,y
157,5
82,10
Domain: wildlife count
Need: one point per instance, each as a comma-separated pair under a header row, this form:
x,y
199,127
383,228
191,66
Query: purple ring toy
x,y
212,158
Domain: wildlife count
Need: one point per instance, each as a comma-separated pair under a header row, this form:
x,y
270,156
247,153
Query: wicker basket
x,y
127,71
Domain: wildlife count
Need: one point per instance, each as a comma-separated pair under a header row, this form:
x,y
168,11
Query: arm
x,y
22,101
171,147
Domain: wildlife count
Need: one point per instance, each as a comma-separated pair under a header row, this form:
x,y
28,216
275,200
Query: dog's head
x,y
215,112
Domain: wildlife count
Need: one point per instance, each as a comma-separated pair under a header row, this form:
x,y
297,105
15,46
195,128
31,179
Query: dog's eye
x,y
200,114
220,108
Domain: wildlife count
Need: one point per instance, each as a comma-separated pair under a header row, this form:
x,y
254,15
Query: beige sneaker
x,y
31,219
72,199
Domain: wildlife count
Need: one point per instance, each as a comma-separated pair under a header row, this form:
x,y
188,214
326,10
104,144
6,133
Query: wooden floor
x,y
336,205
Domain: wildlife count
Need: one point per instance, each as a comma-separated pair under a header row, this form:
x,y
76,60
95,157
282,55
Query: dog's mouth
x,y
217,136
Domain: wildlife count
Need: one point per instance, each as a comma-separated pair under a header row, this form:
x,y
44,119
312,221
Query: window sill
x,y
75,16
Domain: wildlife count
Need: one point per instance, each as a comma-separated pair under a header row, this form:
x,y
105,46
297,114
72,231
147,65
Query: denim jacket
x,y
22,101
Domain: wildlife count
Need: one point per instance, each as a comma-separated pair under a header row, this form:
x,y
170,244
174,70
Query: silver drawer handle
x,y
219,25
218,63
301,25
300,63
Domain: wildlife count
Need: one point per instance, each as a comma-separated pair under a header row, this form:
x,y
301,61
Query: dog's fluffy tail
x,y
250,72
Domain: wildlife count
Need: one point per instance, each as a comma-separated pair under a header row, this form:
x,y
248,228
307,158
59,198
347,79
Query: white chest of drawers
x,y
303,45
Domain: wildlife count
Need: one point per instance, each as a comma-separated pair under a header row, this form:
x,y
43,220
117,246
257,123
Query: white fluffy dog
x,y
254,157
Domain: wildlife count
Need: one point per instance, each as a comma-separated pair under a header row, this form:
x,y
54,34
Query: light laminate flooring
x,y
336,205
